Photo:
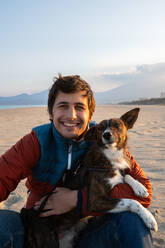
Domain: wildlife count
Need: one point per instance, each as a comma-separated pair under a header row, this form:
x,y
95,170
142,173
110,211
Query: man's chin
x,y
70,133
71,136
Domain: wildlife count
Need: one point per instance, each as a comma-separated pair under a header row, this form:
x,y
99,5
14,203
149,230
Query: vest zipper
x,y
69,157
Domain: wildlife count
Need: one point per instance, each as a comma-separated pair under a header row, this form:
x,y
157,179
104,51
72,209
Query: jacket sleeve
x,y
124,190
17,162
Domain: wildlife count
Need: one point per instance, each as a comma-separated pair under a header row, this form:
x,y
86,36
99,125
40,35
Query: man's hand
x,y
61,201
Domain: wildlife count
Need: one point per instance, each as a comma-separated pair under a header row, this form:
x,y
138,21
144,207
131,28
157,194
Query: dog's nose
x,y
107,135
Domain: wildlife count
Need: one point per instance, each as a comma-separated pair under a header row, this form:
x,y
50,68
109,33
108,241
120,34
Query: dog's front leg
x,y
98,195
136,207
138,188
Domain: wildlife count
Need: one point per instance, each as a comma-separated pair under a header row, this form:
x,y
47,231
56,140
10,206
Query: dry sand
x,y
146,143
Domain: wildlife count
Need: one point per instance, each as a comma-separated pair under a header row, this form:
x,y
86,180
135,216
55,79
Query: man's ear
x,y
50,117
130,117
91,134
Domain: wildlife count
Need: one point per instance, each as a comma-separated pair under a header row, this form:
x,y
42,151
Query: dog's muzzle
x,y
107,136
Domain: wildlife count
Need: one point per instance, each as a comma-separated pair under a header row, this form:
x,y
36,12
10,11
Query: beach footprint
x,y
159,243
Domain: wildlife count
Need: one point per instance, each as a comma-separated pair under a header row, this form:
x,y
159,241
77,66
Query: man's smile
x,y
68,124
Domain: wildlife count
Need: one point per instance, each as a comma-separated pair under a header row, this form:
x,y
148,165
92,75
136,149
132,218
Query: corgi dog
x,y
105,165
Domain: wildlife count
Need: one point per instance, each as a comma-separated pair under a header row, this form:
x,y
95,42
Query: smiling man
x,y
44,155
70,114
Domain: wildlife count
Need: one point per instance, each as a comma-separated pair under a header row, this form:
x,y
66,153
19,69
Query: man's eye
x,y
79,107
62,106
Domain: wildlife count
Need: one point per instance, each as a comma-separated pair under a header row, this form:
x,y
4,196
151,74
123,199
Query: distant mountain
x,y
151,101
128,92
26,99
144,81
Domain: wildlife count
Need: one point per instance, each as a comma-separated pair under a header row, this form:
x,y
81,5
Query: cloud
x,y
141,74
144,81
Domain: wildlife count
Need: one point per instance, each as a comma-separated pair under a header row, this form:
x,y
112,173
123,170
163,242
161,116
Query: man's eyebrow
x,y
76,103
59,103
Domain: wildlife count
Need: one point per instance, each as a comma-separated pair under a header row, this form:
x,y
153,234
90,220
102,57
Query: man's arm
x,y
65,199
16,163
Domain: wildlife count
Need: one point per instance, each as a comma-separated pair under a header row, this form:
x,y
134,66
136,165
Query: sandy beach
x,y
146,143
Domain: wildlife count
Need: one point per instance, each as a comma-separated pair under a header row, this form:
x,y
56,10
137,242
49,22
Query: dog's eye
x,y
100,128
117,125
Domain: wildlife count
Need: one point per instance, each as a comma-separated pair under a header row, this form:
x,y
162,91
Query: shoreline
x,y
3,107
7,107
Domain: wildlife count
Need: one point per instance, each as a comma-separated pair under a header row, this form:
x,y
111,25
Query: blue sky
x,y
92,38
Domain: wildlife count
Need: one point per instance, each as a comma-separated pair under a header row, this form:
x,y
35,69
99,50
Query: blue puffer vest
x,y
57,153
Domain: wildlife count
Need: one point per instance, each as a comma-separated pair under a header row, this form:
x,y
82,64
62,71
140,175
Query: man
x,y
43,156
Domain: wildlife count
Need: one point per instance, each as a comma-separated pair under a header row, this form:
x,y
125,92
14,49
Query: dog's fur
x,y
103,167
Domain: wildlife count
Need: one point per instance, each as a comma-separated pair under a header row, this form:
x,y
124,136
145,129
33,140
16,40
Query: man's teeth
x,y
70,124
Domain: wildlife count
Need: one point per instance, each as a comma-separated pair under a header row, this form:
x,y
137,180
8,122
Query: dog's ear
x,y
130,117
91,134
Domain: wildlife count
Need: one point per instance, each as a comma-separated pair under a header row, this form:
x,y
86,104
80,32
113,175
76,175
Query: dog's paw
x,y
150,221
136,207
138,188
145,214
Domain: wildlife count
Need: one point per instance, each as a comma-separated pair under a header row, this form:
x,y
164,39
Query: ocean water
x,y
19,106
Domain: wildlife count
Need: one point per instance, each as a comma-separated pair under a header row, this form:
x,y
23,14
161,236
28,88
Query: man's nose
x,y
72,114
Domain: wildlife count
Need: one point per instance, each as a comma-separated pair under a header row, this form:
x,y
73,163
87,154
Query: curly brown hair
x,y
70,84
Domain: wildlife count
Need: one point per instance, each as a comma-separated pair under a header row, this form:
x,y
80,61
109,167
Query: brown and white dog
x,y
103,167
105,164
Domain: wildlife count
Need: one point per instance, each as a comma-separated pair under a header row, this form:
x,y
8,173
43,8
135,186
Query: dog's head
x,y
113,132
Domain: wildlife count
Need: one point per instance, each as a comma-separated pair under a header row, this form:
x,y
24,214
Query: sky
x,y
95,39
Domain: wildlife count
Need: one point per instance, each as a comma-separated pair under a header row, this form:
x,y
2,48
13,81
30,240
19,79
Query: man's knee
x,y
11,231
124,230
132,221
133,231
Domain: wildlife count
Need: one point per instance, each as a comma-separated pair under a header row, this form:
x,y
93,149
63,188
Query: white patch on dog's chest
x,y
116,158
118,162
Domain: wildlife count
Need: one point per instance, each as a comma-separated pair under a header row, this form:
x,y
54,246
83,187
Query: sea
x,y
19,106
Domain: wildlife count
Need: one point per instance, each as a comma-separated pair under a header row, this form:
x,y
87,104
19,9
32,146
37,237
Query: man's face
x,y
70,114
